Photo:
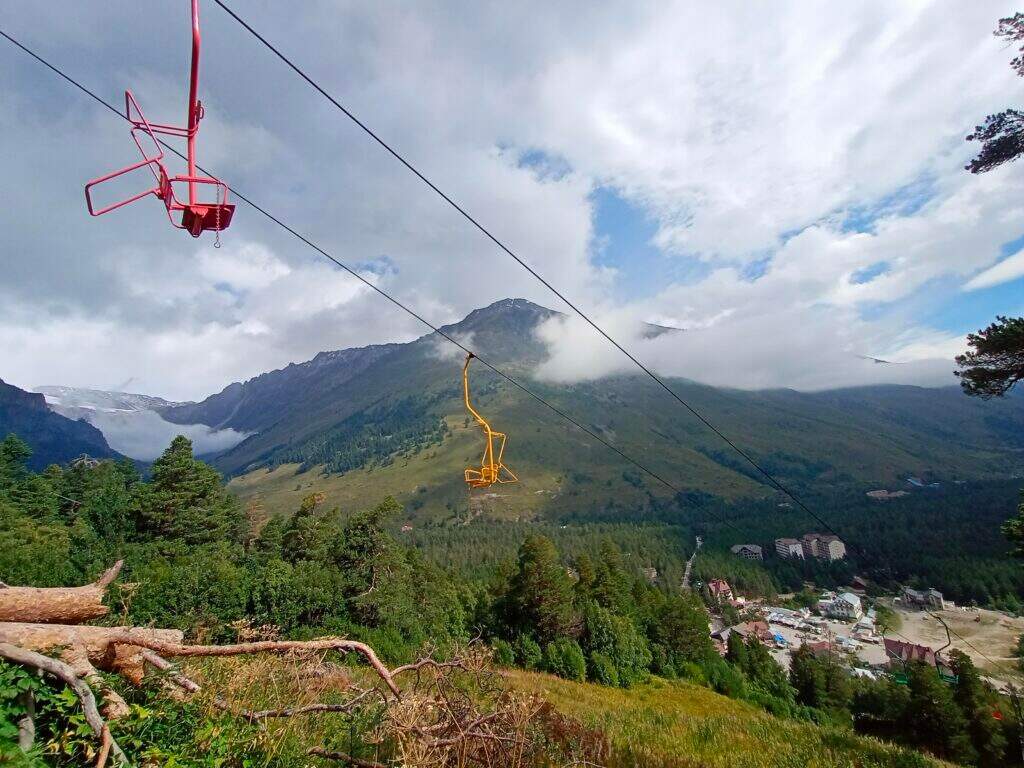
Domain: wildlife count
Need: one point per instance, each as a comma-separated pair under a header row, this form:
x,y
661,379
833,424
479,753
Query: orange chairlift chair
x,y
491,468
196,216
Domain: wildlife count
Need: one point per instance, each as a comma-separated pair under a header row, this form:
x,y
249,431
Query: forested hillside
x,y
355,423
195,560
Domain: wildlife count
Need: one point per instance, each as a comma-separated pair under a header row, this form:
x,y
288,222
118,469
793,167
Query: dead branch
x,y
27,722
342,757
96,645
458,663
77,658
59,605
263,714
176,649
66,674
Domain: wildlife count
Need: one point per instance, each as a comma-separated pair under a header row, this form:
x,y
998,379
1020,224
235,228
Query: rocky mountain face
x,y
54,439
390,419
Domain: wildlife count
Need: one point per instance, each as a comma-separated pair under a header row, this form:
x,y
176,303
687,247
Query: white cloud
x,y
144,435
747,131
800,348
1006,270
243,266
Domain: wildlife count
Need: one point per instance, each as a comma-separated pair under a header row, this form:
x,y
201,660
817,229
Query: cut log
x,y
58,605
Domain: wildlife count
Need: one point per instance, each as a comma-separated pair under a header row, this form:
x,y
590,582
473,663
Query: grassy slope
x,y
670,724
857,436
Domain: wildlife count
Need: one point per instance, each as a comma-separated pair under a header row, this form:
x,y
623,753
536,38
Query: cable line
x,y
501,245
454,341
510,379
487,233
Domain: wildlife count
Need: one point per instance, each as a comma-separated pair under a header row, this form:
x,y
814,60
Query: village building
x,y
929,598
823,546
719,589
882,495
820,648
747,551
901,653
789,548
758,629
846,605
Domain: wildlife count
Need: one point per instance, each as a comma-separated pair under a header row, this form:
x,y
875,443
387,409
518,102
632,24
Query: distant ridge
x,y
54,439
389,418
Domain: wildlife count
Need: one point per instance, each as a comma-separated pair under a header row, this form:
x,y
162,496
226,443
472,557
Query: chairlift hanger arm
x,y
491,468
196,216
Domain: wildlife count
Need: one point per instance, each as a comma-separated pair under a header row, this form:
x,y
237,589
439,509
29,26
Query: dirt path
x,y
689,565
992,635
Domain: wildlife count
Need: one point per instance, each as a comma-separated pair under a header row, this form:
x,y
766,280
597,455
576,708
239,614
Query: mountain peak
x,y
505,314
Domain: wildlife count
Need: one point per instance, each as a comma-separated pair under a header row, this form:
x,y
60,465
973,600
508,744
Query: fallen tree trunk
x,y
58,605
111,649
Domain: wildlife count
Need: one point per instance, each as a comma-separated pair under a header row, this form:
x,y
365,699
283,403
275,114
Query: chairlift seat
x,y
206,217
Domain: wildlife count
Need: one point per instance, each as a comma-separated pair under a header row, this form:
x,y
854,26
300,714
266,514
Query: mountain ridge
x,y
53,438
390,419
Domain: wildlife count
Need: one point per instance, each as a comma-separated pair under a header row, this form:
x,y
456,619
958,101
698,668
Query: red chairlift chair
x,y
196,216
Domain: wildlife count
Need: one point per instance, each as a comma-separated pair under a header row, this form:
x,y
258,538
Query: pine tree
x,y
736,650
807,676
933,720
186,500
681,626
612,583
977,704
14,456
540,593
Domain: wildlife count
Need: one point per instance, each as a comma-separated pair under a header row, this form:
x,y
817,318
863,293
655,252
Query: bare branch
x,y
67,675
108,576
342,757
268,646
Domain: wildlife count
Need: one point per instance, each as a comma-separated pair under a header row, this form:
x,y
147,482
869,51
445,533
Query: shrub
x,y
564,657
528,653
618,638
504,655
602,670
661,662
693,672
725,679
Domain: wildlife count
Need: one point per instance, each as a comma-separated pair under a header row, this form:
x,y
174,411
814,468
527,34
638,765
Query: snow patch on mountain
x,y
132,423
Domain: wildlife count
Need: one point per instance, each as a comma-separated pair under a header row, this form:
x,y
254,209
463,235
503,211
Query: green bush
x,y
504,655
661,661
564,657
725,679
601,669
528,653
693,672
618,638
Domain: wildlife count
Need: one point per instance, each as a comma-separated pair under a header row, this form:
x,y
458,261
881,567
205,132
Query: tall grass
x,y
664,724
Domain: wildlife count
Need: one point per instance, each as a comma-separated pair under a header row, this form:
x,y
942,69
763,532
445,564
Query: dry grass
x,y
991,633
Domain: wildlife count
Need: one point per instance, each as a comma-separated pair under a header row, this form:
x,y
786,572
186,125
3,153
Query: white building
x,y
789,548
929,598
846,606
824,546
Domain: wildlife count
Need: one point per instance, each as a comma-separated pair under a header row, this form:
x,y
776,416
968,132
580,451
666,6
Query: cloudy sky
x,y
783,179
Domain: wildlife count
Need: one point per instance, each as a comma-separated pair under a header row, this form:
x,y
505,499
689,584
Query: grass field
x,y
676,725
659,724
